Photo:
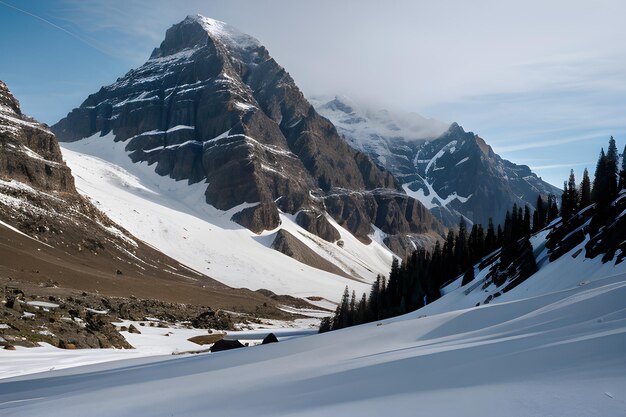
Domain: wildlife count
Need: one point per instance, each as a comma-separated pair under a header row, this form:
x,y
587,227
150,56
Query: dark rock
x,y
270,338
213,320
258,218
316,223
133,329
66,345
224,344
394,213
288,244
15,304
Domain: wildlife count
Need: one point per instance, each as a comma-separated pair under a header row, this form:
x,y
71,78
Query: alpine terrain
x,y
55,243
198,238
217,131
548,339
449,170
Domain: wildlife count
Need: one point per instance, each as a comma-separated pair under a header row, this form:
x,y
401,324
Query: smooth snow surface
x,y
159,342
553,346
175,218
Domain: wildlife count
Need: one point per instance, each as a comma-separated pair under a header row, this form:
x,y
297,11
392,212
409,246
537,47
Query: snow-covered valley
x,y
554,345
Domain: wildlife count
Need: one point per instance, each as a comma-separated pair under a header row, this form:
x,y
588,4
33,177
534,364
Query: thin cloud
x,y
551,142
54,25
559,166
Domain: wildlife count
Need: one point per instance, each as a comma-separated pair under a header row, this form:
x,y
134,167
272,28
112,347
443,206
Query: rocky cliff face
x,y
212,105
30,153
52,236
449,170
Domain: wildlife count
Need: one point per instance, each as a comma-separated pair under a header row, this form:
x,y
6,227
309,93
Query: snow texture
x,y
174,217
553,345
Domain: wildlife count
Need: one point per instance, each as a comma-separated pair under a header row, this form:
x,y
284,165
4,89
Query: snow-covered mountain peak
x,y
371,123
224,32
197,31
451,171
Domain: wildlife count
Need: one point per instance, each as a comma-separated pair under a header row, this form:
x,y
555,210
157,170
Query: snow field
x,y
174,217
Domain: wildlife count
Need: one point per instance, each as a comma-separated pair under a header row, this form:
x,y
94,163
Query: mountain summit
x,y
211,106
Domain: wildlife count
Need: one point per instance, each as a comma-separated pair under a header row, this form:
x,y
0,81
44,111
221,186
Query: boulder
x,y
66,345
270,338
207,339
224,344
133,329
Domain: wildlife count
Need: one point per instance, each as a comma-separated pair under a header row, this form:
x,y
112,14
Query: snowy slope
x,y
552,346
173,217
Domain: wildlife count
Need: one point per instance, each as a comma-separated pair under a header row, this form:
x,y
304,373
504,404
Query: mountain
x,y
211,108
451,171
50,235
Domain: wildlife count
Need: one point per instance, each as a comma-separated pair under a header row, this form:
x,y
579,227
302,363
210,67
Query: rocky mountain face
x,y
51,236
30,152
449,170
211,105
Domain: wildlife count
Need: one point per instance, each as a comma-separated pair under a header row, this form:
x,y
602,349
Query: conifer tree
x,y
622,174
373,305
553,210
343,311
542,214
490,239
515,224
325,325
612,158
352,310
392,295
601,182
362,310
468,276
526,222
565,204
569,199
507,236
450,266
460,246
585,190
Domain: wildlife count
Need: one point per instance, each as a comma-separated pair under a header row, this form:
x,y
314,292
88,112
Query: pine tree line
x,y
609,179
417,281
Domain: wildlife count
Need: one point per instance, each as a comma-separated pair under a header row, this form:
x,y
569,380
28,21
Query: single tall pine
x,y
612,159
585,190
601,182
622,174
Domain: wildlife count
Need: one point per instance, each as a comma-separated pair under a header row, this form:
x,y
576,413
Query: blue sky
x,y
543,82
